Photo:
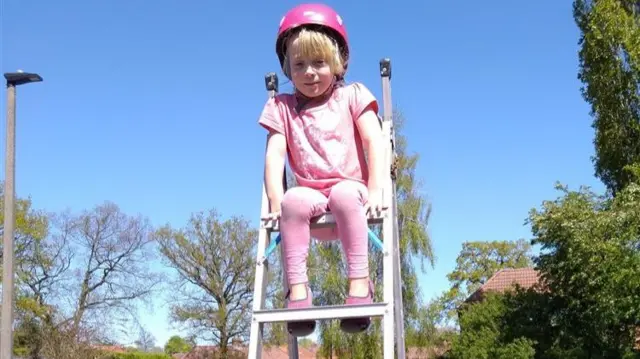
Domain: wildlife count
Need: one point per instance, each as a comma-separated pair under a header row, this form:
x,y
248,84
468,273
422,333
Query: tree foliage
x,y
589,300
74,275
414,211
30,231
590,262
214,260
98,271
610,71
31,227
587,304
476,263
177,344
483,336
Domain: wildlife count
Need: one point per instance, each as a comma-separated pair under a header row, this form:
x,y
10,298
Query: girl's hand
x,y
275,211
272,216
374,204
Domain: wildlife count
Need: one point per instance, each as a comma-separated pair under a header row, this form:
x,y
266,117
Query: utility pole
x,y
14,79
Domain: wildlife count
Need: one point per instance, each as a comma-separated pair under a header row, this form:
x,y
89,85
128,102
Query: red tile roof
x,y
282,353
204,352
507,278
110,348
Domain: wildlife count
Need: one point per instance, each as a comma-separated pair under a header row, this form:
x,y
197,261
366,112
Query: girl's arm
x,y
274,169
371,135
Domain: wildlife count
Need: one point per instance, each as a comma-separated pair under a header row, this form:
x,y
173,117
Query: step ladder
x,y
390,309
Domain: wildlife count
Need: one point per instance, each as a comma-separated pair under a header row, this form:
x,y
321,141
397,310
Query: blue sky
x,y
151,104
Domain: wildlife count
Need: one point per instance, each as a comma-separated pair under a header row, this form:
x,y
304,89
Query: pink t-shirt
x,y
323,143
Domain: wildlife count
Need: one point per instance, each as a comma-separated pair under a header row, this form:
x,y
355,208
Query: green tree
x,y
30,231
590,262
40,285
610,71
476,263
482,333
31,227
427,332
214,261
177,344
587,304
28,337
516,323
414,211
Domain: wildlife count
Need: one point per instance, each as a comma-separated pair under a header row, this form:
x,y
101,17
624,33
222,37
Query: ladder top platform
x,y
324,220
326,312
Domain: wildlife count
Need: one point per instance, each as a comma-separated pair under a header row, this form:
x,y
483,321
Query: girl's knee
x,y
301,202
349,193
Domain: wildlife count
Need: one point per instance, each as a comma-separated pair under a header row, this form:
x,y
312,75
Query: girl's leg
x,y
299,205
346,203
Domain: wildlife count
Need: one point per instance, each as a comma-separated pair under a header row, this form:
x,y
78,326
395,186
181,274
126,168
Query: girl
x,y
324,128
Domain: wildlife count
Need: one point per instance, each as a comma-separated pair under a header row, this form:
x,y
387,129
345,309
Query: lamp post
x,y
14,79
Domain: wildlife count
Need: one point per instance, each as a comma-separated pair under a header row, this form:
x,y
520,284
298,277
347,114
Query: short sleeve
x,y
360,98
271,116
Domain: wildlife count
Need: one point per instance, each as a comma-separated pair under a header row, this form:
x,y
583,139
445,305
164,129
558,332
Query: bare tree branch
x,y
112,252
214,261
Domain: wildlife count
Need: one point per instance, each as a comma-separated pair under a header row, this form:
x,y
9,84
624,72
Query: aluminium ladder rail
x,y
390,309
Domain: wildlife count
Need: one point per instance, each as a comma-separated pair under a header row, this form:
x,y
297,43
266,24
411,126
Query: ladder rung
x,y
320,313
325,220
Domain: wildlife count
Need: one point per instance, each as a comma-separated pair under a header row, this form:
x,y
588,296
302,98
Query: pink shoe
x,y
357,325
301,328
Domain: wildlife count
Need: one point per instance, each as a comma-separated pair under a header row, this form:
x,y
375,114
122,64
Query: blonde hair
x,y
314,44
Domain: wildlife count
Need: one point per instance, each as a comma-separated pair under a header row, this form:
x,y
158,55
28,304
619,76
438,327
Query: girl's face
x,y
310,75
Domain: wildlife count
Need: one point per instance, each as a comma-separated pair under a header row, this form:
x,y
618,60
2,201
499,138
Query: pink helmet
x,y
315,16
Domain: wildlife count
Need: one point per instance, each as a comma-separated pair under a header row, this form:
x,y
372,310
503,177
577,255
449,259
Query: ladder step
x,y
325,220
320,313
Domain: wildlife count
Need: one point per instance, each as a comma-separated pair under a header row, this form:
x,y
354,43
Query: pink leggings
x,y
346,202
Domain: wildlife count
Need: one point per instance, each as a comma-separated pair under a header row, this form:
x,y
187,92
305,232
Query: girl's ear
x,y
285,66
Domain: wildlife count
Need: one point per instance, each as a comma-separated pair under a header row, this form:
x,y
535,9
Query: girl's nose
x,y
309,71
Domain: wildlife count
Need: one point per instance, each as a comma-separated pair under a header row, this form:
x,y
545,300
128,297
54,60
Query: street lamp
x,y
6,328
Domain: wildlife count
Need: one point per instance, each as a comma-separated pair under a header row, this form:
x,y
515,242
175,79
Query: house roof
x,y
507,278
110,348
282,352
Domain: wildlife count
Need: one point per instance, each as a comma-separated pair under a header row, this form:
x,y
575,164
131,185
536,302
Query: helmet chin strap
x,y
302,100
